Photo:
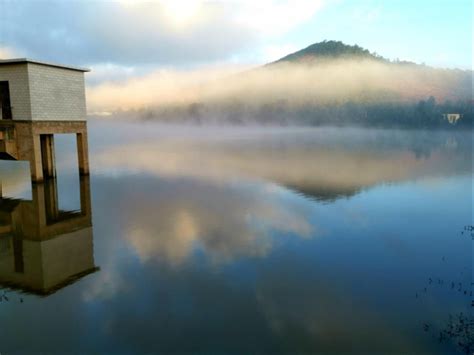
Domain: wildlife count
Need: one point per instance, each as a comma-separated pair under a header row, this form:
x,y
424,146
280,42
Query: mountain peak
x,y
329,50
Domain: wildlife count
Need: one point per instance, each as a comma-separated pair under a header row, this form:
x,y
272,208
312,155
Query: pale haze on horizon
x,y
127,41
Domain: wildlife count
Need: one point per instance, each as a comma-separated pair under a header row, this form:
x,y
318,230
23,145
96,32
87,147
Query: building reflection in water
x,y
42,248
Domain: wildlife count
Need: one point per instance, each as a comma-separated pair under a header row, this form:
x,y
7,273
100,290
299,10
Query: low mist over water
x,y
327,83
256,239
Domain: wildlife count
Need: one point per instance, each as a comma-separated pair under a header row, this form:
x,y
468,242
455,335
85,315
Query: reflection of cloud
x,y
222,221
175,247
168,222
319,310
104,286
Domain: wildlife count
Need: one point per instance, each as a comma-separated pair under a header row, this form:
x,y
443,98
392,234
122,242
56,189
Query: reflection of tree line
x,y
420,142
422,114
324,164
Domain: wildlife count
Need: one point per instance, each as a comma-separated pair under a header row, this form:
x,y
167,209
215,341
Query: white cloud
x,y
111,72
8,52
137,33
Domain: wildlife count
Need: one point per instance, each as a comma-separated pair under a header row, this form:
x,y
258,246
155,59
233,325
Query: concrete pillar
x,y
85,191
47,155
51,203
35,158
83,153
18,252
38,217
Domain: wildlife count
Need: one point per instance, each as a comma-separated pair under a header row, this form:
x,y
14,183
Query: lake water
x,y
243,240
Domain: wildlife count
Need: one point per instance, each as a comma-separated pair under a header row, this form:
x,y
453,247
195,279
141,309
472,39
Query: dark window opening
x,y
5,105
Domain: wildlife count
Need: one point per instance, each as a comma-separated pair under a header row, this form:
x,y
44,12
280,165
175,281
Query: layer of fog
x,y
294,85
323,163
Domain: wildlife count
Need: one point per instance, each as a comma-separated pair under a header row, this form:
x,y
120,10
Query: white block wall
x,y
56,94
17,76
44,93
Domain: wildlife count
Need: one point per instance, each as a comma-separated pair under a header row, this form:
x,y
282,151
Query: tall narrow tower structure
x,y
37,101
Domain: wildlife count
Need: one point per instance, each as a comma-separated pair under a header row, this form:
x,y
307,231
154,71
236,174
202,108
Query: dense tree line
x,y
422,114
330,50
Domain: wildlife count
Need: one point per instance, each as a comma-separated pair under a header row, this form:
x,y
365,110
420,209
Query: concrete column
x,y
18,253
28,148
47,155
34,153
85,191
83,153
37,219
51,203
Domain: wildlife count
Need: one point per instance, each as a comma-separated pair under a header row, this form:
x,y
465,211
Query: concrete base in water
x,y
33,141
42,248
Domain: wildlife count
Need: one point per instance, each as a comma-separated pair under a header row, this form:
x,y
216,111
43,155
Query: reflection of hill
x,y
324,166
43,249
324,193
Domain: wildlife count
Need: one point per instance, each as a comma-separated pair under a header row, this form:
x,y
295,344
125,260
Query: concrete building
x,y
38,100
42,248
452,118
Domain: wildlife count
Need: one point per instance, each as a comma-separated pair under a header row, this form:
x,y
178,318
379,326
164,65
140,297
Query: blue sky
x,y
437,32
133,37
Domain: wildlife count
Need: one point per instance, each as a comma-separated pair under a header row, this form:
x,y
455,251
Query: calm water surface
x,y
194,240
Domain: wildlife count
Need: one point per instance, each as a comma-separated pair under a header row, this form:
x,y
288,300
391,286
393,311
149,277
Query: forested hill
x,y
329,50
327,83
